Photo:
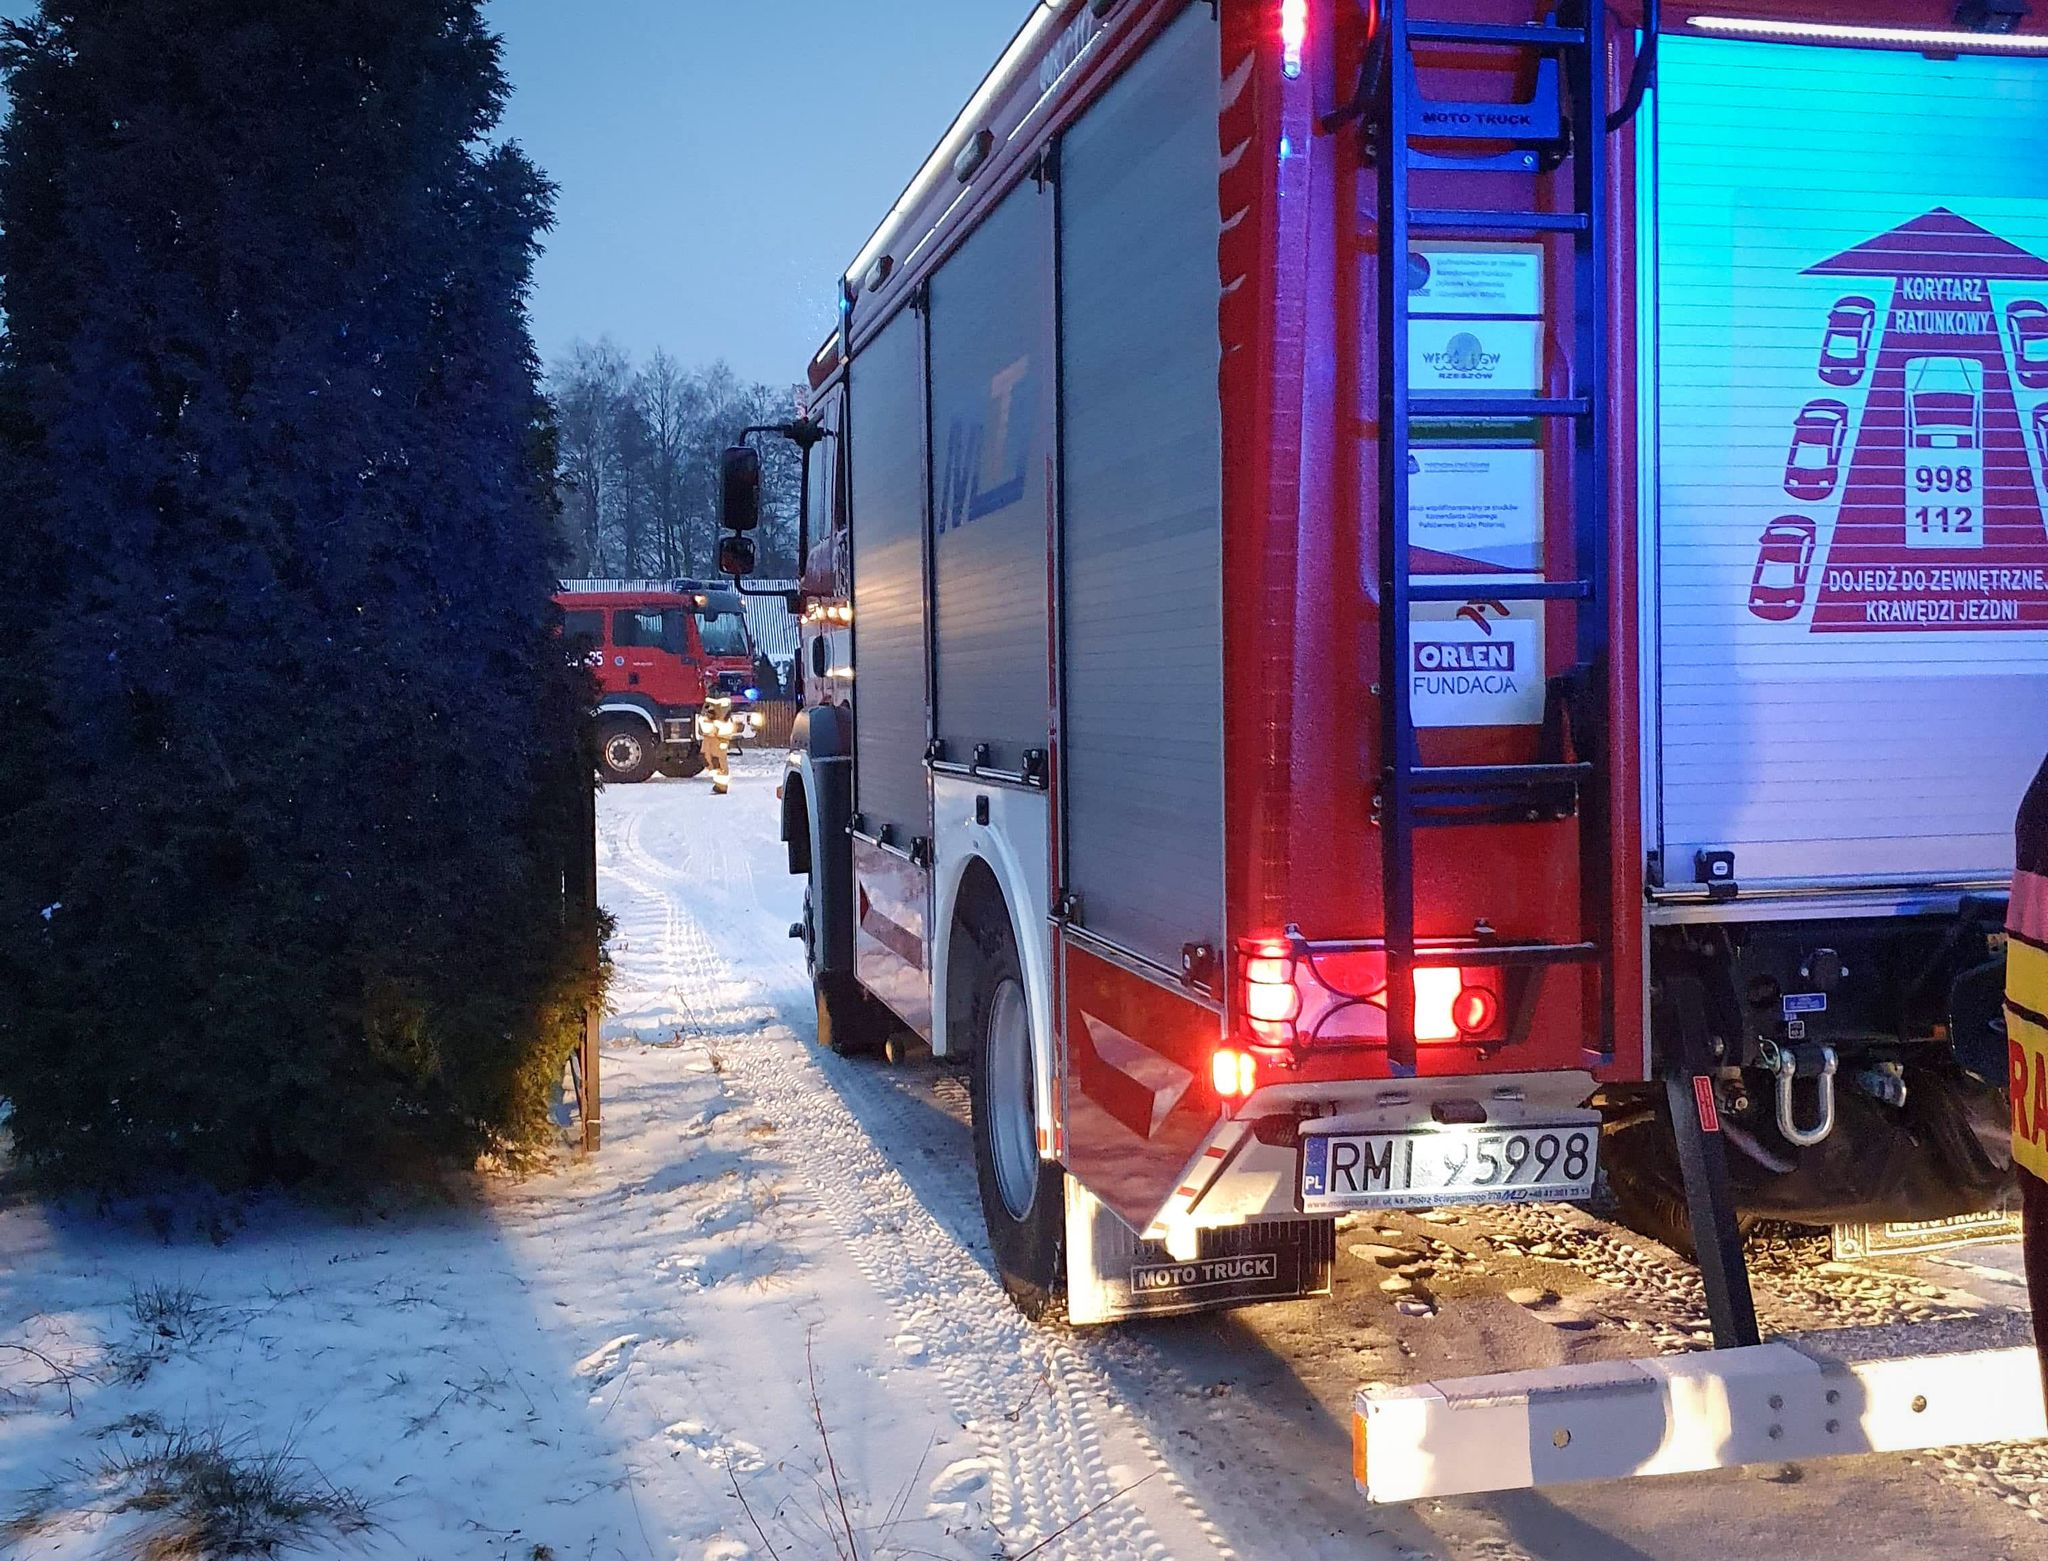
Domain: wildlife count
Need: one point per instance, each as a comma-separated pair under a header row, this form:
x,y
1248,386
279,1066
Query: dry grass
x,y
202,1496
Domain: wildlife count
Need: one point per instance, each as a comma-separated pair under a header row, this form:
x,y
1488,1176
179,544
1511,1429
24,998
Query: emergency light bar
x,y
1927,39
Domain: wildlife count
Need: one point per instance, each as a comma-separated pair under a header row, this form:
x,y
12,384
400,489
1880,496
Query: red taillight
x,y
1234,1073
1446,1008
1475,1010
1271,1003
1293,36
1267,994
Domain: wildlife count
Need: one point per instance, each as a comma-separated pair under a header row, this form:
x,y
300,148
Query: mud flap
x,y
1113,1274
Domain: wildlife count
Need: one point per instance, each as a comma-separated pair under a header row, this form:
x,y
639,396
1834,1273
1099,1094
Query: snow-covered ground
x,y
761,1324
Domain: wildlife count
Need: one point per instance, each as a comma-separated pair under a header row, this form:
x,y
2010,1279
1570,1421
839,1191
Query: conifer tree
x,y
280,852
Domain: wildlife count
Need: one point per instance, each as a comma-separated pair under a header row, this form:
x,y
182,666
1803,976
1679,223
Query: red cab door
x,y
651,648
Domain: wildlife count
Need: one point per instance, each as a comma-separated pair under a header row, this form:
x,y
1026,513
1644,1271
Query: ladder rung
x,y
1499,406
1445,777
1496,956
1501,221
1511,34
1479,590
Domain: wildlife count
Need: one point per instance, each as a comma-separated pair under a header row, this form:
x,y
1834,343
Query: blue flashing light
x,y
1286,149
753,694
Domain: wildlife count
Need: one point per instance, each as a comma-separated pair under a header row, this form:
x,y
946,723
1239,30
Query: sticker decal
x,y
1476,665
1805,1003
1938,520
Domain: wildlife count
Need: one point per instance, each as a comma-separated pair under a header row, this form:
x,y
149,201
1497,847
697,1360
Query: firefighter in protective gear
x,y
2026,1034
719,730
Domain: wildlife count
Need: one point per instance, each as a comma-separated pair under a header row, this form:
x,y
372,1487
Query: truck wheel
x,y
1022,1197
1661,1212
625,752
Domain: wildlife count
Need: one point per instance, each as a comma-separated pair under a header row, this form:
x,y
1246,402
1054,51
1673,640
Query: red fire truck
x,y
656,647
1288,704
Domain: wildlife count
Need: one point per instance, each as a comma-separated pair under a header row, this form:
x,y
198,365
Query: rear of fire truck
x,y
1435,603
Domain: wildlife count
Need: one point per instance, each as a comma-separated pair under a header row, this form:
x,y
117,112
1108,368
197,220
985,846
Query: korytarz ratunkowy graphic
x,y
1938,511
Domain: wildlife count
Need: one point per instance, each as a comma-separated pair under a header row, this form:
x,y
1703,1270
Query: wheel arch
x,y
991,875
626,705
796,819
818,796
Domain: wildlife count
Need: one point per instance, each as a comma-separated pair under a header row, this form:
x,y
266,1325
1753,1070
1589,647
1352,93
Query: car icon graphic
x,y
1784,558
2027,323
1814,465
1944,404
1845,349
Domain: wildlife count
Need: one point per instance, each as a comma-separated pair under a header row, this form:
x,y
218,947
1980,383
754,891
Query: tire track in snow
x,y
920,1115
1061,1448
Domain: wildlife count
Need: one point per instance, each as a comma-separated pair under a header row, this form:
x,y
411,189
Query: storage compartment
x,y
1848,255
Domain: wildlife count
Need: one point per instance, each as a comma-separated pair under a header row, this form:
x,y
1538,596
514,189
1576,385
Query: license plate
x,y
1430,1165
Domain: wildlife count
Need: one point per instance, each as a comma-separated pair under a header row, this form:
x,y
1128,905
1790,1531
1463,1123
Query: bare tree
x,y
589,389
640,456
666,408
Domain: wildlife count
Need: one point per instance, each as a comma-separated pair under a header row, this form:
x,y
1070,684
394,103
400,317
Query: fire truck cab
x,y
655,648
1296,705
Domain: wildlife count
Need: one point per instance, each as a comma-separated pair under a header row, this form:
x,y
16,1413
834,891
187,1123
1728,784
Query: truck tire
x,y
1023,1198
625,751
1652,1209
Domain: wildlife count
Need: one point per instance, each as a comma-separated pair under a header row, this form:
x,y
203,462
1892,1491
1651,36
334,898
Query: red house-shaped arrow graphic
x,y
1940,526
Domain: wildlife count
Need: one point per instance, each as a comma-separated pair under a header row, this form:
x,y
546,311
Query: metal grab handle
x,y
1786,1066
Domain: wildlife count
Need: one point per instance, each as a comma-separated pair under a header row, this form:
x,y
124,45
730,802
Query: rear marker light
x,y
1475,1010
1234,1073
1293,36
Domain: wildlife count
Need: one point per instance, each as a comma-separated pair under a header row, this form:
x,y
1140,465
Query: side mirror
x,y
736,556
739,488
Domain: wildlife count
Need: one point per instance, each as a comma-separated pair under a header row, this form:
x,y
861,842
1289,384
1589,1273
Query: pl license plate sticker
x,y
1429,1166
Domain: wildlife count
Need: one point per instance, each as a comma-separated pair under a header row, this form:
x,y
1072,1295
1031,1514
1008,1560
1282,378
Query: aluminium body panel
x,y
1851,565
1142,737
890,697
991,384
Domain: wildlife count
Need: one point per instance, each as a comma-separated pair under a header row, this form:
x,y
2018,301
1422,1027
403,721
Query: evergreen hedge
x,y
288,761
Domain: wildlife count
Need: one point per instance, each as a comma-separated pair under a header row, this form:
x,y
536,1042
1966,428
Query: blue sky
x,y
721,161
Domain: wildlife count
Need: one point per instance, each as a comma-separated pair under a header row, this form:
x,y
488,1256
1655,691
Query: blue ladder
x,y
1564,121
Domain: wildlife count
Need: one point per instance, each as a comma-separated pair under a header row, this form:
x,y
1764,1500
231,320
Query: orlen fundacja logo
x,y
1474,656
1464,356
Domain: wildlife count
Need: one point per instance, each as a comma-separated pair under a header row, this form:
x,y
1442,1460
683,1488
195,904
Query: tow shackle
x,y
1784,1063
